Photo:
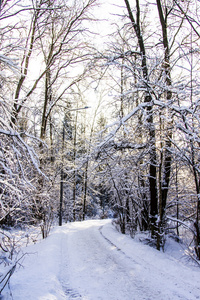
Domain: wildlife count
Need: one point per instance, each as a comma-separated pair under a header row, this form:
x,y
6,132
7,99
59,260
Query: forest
x,y
99,117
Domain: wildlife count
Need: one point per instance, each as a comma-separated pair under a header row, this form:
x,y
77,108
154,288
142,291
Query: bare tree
x,y
148,101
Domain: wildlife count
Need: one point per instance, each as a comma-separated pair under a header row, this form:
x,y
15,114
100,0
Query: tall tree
x,y
166,157
149,107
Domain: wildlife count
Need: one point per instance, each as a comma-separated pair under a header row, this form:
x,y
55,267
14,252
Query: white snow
x,y
91,260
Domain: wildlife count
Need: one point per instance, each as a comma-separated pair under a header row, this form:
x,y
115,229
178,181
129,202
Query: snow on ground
x,y
90,260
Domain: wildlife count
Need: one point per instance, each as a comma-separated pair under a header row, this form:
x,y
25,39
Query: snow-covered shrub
x,y
10,255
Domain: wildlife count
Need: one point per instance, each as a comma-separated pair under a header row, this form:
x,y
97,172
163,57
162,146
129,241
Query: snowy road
x,y
90,260
99,270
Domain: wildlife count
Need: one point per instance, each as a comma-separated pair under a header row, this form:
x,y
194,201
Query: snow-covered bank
x,y
90,260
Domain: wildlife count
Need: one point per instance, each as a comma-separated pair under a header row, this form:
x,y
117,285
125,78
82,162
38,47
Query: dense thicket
x,y
156,142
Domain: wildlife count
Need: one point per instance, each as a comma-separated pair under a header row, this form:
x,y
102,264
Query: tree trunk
x,y
85,190
47,99
24,67
148,100
167,153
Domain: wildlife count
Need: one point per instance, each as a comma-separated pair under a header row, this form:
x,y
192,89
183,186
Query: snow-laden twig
x,y
181,222
10,63
119,123
8,272
30,151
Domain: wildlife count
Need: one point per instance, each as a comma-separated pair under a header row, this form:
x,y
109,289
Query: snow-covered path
x,y
100,271
90,260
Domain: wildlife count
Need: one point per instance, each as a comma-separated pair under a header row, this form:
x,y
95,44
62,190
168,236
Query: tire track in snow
x,y
115,246
70,293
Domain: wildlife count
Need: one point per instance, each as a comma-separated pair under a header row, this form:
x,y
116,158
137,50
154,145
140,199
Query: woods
x,y
96,126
